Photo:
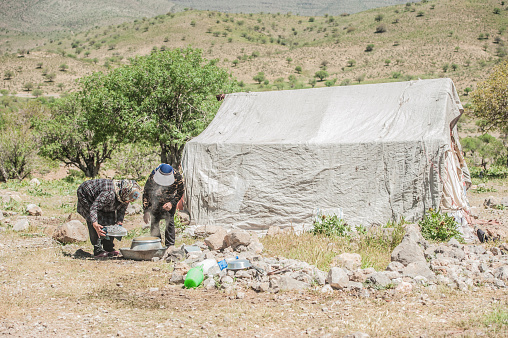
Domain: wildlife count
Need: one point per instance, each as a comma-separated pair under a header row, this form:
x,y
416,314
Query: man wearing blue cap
x,y
163,189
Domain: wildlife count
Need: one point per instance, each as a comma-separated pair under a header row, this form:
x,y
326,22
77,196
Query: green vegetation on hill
x,y
422,40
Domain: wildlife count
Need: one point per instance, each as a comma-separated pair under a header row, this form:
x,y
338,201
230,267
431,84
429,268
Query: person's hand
x,y
99,230
167,206
146,217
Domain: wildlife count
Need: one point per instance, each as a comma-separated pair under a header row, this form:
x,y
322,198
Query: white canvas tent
x,y
370,153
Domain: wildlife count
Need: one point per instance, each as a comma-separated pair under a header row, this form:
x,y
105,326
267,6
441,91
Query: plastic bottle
x,y
207,264
194,277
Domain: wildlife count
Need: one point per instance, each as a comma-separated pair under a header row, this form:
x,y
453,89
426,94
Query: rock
x,y
286,283
350,261
355,286
496,251
502,273
184,217
395,266
404,287
380,279
504,202
6,199
227,280
207,230
326,289
177,278
217,240
71,232
173,254
238,237
33,210
413,233
209,284
1,215
22,224
319,276
338,278
420,280
34,182
490,202
419,269
453,242
408,251
261,286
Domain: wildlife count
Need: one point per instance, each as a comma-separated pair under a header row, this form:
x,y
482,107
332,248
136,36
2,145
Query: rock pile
x,y
414,262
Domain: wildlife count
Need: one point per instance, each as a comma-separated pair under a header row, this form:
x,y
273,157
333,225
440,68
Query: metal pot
x,y
146,243
239,264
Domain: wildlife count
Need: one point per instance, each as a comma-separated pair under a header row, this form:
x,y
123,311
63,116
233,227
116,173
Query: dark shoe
x,y
113,253
103,254
482,236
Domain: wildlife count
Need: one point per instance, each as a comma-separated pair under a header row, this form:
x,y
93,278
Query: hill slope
x,y
74,15
459,39
307,7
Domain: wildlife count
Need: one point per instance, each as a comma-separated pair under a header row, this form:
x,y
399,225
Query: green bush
x,y
331,226
439,226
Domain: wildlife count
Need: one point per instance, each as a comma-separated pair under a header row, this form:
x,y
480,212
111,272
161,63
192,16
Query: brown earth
x,y
50,289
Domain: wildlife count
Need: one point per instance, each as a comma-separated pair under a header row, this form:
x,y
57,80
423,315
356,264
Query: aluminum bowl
x,y
146,243
142,255
238,264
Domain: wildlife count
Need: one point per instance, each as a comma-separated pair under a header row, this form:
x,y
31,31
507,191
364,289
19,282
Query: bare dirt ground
x,y
47,289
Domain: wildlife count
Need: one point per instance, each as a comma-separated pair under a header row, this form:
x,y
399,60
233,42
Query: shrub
x,y
331,226
439,226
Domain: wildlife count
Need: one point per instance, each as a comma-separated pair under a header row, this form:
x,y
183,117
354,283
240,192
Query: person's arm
x,y
120,213
175,193
147,203
103,199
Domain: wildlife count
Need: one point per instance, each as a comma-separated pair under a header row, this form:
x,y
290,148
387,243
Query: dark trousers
x,y
99,244
169,234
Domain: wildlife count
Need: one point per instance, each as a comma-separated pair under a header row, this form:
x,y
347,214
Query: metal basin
x,y
239,264
142,255
146,243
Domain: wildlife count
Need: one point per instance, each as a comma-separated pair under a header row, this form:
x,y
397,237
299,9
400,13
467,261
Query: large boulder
x,y
217,240
338,278
237,237
71,232
407,252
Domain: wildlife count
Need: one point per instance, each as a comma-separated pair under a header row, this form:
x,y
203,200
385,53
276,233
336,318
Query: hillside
x,y
298,7
72,15
459,39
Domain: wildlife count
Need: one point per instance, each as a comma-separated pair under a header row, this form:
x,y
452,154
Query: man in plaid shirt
x,y
163,189
103,202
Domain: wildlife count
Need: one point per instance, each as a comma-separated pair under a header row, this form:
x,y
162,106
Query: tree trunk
x,y
171,154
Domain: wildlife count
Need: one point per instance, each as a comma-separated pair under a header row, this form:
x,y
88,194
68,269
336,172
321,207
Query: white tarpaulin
x,y
373,152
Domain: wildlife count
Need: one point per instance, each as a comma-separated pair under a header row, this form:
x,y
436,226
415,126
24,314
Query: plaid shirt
x,y
155,196
97,199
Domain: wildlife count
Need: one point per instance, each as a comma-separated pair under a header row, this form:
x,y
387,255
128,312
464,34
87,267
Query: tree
x,y
29,86
164,99
18,142
66,136
37,92
298,69
490,99
288,60
8,74
487,147
50,77
360,78
351,63
260,77
321,74
369,48
312,82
